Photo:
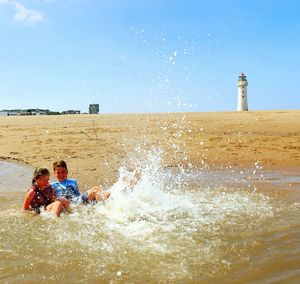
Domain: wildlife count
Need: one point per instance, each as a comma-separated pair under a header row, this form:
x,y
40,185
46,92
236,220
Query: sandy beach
x,y
95,146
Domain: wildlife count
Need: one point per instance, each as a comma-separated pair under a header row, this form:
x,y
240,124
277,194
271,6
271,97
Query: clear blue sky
x,y
149,56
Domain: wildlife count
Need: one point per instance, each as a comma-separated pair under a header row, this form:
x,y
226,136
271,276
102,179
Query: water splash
x,y
163,207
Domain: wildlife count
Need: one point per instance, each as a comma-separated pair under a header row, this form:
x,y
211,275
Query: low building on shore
x,y
35,111
14,112
6,113
71,111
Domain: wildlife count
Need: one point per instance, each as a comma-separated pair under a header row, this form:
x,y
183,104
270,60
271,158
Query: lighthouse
x,y
242,84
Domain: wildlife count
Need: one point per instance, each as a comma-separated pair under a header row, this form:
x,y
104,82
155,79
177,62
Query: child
x,y
67,189
41,194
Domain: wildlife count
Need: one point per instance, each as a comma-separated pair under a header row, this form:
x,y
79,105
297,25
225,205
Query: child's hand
x,y
65,202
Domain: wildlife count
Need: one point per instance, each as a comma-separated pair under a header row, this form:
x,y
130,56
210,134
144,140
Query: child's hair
x,y
60,163
38,172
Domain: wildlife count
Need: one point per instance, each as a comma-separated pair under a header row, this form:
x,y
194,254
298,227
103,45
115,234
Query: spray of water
x,y
180,224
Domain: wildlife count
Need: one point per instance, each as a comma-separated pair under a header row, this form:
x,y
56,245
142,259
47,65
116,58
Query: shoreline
x,y
95,146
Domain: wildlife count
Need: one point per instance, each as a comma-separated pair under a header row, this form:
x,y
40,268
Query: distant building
x,y
71,111
37,111
11,112
4,113
93,108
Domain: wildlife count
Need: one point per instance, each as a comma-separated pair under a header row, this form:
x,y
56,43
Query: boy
x,y
66,188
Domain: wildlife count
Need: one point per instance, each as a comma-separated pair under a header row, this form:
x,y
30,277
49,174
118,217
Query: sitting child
x,y
41,194
67,189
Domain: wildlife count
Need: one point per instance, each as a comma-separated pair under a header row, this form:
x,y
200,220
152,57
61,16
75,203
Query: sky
x,y
149,56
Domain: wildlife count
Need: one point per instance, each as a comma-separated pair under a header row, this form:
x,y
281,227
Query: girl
x,y
41,194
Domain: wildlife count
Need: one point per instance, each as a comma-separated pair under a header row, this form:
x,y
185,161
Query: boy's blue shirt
x,y
67,188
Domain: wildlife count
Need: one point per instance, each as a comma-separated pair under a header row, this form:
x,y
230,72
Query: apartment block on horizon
x,y
93,108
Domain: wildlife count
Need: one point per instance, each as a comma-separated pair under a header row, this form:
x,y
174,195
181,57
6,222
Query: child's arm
x,y
76,189
28,199
65,202
52,193
58,194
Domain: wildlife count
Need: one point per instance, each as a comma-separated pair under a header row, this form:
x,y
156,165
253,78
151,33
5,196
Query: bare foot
x,y
137,174
102,195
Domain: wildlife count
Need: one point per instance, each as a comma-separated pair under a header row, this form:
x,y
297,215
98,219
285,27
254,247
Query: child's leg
x,y
92,193
55,207
96,194
102,195
137,174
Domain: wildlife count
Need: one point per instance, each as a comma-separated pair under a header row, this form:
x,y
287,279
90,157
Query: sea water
x,y
176,225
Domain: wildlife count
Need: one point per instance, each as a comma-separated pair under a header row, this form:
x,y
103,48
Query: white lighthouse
x,y
242,84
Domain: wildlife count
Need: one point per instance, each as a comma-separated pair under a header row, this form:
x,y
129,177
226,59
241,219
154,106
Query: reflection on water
x,y
174,226
14,177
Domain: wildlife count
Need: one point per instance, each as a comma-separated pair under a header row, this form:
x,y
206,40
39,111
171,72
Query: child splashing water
x,y
42,195
66,189
56,197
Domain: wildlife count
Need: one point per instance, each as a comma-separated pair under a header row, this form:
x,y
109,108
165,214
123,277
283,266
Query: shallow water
x,y
175,226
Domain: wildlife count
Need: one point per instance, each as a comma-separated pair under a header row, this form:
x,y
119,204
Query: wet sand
x,y
95,146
